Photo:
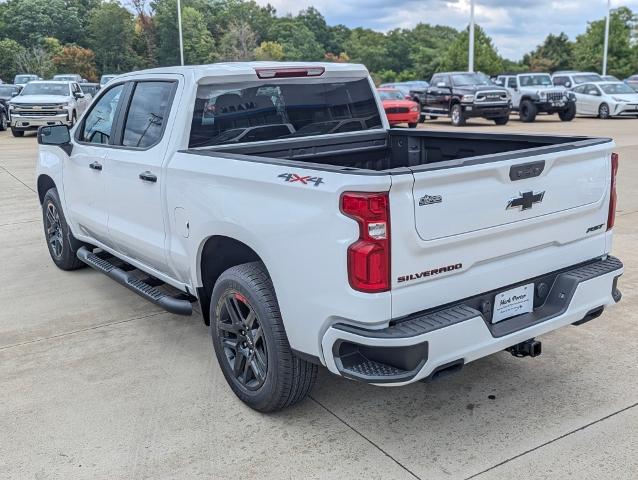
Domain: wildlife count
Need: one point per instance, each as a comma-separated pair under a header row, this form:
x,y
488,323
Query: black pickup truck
x,y
462,95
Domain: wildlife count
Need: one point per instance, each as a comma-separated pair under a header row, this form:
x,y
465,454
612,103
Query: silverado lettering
x,y
429,273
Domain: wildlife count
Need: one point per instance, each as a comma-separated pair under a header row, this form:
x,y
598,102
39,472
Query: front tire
x,y
17,133
502,120
568,114
61,243
413,125
458,119
251,344
603,111
3,122
527,111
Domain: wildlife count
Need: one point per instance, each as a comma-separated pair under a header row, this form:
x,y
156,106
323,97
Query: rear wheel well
x,y
45,183
218,255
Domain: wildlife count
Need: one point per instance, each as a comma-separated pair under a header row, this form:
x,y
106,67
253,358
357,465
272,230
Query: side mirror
x,y
78,95
568,84
57,135
499,83
13,94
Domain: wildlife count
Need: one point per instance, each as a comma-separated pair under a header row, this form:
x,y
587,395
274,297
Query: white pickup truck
x,y
311,233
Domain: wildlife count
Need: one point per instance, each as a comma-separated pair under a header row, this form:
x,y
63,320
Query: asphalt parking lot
x,y
97,383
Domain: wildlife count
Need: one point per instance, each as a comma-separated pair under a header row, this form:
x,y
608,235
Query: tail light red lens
x,y
369,256
611,218
290,72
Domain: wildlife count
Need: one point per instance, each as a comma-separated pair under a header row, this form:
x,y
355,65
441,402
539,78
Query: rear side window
x,y
98,123
147,114
281,108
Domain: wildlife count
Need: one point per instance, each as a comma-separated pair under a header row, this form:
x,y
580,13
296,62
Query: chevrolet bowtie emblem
x,y
526,200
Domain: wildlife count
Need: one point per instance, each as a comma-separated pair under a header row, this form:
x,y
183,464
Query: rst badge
x,y
304,180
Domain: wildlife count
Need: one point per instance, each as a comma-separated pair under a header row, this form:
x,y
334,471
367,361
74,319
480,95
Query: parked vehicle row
x,y
24,78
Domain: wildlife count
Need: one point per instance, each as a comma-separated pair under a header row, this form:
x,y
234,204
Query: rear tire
x,y
17,133
603,111
458,120
527,111
502,120
60,242
568,114
413,125
251,344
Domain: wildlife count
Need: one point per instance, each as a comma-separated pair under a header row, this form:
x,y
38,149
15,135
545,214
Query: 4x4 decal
x,y
305,180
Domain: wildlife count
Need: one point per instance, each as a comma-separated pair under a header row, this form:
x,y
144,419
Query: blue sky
x,y
516,26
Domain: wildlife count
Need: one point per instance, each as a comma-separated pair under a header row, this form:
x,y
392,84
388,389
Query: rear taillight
x,y
369,256
611,217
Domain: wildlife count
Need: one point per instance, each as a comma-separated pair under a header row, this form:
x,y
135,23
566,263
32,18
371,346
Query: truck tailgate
x,y
468,229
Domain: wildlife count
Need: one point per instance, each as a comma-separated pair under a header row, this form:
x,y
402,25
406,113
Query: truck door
x,y
135,180
85,169
515,91
439,94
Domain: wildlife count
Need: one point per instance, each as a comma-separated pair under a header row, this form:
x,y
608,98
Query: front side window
x,y
98,123
147,114
511,83
560,81
281,108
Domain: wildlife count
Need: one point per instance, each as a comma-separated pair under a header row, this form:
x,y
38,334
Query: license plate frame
x,y
513,302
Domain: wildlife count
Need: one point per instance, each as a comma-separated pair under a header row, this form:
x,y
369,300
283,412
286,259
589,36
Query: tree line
x,y
94,37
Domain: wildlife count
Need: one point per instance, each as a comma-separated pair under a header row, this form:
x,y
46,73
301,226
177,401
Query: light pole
x,y
471,52
606,47
179,26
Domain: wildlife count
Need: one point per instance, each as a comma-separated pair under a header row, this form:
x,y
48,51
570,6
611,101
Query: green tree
x,y
588,49
369,48
29,21
298,41
198,42
555,53
75,59
428,46
9,51
314,21
269,51
35,60
111,30
486,58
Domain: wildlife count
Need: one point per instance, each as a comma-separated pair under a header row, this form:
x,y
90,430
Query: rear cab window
x,y
281,108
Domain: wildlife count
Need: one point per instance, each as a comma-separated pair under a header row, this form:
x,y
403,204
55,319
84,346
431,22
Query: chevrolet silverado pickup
x,y
46,103
311,234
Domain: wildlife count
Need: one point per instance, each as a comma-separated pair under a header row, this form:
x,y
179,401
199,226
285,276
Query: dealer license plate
x,y
513,302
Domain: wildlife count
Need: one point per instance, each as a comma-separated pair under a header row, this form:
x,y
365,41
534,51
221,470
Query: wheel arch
x,y
44,183
217,254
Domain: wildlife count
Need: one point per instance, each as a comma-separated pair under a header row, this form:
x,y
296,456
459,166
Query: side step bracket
x,y
178,306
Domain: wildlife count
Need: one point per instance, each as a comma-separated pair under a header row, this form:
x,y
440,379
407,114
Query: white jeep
x,y
534,93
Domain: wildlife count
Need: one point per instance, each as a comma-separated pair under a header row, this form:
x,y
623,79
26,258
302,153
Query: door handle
x,y
95,166
148,177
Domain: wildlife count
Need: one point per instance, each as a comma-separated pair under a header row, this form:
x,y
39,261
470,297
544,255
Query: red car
x,y
398,109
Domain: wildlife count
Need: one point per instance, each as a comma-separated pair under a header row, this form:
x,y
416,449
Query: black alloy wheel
x,y
243,340
53,229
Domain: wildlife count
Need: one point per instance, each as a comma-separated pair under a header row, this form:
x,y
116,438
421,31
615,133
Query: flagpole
x,y
471,52
179,26
606,47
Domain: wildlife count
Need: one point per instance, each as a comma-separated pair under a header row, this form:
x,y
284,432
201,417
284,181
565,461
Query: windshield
x,y
535,80
91,89
617,88
281,108
466,79
46,89
6,91
391,95
106,79
65,77
24,78
592,77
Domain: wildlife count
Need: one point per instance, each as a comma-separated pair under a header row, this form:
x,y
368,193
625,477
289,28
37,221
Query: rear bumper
x,y
422,344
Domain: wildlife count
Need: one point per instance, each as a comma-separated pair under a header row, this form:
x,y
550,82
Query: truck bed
x,y
400,148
